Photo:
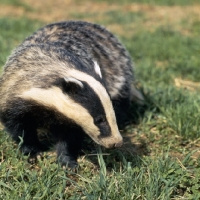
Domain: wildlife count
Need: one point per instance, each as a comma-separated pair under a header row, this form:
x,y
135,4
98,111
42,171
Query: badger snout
x,y
119,144
115,144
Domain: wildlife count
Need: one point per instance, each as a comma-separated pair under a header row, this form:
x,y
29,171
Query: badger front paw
x,y
68,162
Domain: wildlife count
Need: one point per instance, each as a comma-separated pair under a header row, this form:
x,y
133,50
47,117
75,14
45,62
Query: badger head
x,y
94,111
85,101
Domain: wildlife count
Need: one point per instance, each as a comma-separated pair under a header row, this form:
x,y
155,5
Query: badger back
x,y
99,45
50,77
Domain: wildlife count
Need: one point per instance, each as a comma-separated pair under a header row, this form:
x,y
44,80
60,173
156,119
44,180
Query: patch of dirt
x,y
7,11
189,85
194,146
161,64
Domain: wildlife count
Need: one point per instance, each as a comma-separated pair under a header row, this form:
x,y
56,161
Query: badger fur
x,y
66,79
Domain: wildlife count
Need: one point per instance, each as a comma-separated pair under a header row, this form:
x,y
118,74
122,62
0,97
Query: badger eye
x,y
100,119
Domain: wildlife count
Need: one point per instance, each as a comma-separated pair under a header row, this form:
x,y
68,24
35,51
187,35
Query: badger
x,y
70,79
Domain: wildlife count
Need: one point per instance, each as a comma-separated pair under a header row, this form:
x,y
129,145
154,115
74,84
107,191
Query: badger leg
x,y
65,155
22,127
68,146
31,145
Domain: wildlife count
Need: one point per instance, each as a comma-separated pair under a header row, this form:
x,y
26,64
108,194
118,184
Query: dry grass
x,y
155,16
186,84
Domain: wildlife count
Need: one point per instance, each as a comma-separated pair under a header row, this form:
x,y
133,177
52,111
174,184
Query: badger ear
x,y
72,84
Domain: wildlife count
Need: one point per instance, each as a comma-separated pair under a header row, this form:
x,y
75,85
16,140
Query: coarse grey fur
x,y
39,62
94,42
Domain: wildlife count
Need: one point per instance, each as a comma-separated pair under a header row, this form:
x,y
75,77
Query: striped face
x,y
84,100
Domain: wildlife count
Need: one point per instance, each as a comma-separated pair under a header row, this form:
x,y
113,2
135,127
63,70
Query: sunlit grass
x,y
13,32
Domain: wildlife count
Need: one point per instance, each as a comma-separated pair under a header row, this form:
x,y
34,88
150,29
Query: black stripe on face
x,y
87,98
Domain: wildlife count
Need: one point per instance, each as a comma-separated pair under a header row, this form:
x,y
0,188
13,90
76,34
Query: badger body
x,y
69,79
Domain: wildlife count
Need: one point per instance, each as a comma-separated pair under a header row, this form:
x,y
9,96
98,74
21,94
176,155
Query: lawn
x,y
161,155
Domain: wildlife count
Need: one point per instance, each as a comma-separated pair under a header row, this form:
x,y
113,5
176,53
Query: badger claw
x,y
32,159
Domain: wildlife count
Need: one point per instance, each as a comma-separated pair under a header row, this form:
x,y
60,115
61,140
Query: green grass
x,y
112,16
179,54
144,178
13,32
160,158
196,30
121,18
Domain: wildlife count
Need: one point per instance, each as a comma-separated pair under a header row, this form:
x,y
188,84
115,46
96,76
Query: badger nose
x,y
119,144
